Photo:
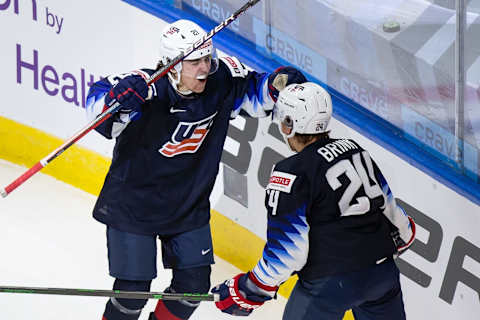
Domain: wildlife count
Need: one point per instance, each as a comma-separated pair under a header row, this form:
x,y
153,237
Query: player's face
x,y
194,74
290,141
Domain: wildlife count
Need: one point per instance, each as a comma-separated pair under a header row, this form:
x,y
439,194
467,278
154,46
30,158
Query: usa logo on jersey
x,y
187,137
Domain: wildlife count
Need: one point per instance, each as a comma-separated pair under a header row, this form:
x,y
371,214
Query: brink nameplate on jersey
x,y
334,149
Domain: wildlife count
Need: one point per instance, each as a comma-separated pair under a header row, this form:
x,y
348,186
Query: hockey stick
x,y
112,293
114,106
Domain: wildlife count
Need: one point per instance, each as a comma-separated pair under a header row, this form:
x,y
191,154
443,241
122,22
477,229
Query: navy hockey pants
x,y
372,294
134,257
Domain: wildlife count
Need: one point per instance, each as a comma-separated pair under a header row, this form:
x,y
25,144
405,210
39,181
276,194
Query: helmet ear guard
x,y
306,108
176,38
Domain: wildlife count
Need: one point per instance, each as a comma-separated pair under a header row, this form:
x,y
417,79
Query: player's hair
x,y
306,138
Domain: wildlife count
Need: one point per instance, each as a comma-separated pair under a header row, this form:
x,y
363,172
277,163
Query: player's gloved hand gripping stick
x,y
115,106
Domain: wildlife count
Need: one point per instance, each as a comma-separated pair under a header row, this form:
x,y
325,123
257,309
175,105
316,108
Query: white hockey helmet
x,y
306,108
178,37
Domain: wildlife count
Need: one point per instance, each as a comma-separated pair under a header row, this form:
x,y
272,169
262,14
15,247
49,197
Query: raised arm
x,y
129,89
256,93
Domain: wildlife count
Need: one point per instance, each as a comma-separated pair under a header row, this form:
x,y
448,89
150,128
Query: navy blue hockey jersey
x,y
165,162
330,211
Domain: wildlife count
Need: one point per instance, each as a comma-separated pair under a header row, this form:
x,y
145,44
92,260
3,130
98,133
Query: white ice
x,y
48,238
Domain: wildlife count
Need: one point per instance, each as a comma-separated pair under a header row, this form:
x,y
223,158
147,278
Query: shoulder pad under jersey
x,y
237,69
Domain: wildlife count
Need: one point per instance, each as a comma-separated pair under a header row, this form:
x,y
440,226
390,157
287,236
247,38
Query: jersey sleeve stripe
x,y
286,250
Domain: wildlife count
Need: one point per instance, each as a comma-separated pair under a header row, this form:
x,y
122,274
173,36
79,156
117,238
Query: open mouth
x,y
202,82
202,77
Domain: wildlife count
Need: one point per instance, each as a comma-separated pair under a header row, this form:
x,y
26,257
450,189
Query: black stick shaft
x,y
111,293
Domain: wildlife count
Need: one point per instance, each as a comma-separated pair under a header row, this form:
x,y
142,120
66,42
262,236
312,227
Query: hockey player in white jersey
x,y
332,219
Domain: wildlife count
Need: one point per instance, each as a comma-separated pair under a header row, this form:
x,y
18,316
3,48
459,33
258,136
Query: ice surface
x,y
48,238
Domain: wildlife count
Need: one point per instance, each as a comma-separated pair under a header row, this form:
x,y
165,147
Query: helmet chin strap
x,y
174,78
175,81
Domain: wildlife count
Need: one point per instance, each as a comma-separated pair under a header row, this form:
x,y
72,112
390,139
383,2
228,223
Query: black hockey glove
x,y
282,77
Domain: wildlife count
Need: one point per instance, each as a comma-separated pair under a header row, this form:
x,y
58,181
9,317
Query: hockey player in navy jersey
x,y
169,142
332,219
